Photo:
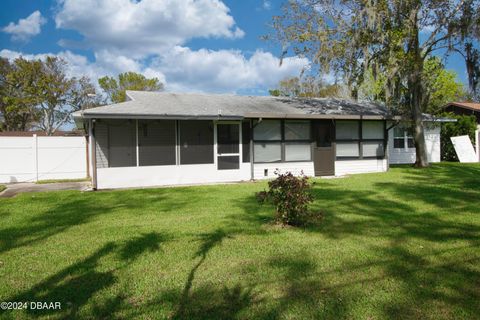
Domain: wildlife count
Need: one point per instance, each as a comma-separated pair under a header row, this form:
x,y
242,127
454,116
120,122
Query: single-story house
x,y
168,139
465,108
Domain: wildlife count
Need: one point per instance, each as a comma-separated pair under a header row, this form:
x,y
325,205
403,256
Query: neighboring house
x,y
465,108
168,139
469,109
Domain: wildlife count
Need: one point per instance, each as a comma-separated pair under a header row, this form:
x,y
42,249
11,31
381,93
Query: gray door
x,y
324,147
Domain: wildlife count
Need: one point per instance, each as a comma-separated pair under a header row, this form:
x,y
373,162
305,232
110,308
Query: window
x,y
297,140
298,151
372,149
398,138
348,150
122,143
348,139
196,142
268,130
268,141
362,142
156,142
277,140
297,130
402,137
267,151
373,130
347,130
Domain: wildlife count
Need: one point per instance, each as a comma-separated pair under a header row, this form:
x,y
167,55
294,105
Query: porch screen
x,y
122,143
156,142
196,141
267,135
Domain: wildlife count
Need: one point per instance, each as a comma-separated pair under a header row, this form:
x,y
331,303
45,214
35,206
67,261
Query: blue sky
x,y
208,45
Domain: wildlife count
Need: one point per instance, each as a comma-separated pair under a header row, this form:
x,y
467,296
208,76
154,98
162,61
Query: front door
x,y
324,147
228,146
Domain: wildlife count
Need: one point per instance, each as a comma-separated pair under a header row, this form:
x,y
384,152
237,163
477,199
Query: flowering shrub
x,y
290,195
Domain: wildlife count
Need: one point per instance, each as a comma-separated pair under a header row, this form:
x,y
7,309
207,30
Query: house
x,y
465,108
169,139
401,148
469,109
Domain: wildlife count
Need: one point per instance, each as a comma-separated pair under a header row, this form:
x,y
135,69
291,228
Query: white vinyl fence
x,y
27,159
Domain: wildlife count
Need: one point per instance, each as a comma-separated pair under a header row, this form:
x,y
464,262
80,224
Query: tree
x,y
440,86
309,87
353,36
39,93
469,25
58,94
115,89
16,106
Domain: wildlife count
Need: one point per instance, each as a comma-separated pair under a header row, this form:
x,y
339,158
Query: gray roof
x,y
164,105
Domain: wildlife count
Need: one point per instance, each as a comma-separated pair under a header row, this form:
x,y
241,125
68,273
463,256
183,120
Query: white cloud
x,y
183,69
267,5
223,70
79,65
146,27
26,28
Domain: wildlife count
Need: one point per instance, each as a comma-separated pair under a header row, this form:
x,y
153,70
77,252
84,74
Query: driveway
x,y
16,188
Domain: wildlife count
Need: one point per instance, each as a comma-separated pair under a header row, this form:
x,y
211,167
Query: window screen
x,y
347,130
297,130
268,130
372,149
372,130
297,151
246,141
228,162
348,149
156,142
267,152
196,142
122,143
228,138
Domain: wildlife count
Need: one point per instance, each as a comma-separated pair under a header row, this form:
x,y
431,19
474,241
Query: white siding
x,y
408,155
25,159
343,167
149,176
294,167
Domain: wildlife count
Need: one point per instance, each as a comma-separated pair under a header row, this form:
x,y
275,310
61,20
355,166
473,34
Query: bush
x,y
465,125
290,195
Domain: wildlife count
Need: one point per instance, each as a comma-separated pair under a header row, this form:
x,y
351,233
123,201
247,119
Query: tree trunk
x,y
416,92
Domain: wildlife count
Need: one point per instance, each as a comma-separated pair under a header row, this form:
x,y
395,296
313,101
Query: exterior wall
x,y
101,136
295,167
128,177
27,159
408,155
343,167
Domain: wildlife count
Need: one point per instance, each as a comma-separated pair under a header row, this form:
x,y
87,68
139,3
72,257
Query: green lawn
x,y
2,187
404,244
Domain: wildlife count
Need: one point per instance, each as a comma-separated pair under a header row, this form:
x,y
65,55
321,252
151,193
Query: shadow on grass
x,y
76,284
60,212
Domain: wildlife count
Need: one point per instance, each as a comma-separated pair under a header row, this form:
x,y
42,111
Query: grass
x,y
61,180
2,187
400,245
